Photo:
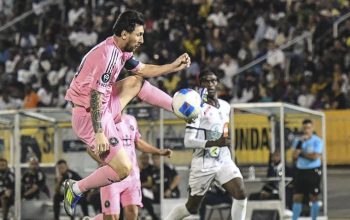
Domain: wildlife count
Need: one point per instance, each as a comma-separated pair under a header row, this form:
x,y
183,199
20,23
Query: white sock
x,y
238,209
178,213
76,189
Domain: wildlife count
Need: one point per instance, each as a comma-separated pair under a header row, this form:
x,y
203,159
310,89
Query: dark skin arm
x,y
221,142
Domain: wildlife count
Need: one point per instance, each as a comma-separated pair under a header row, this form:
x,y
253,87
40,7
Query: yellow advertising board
x,y
338,137
252,138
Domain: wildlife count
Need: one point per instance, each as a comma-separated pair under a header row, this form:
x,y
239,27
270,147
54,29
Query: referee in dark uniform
x,y
307,155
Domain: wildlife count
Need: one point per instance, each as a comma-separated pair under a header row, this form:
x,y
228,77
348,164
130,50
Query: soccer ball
x,y
187,104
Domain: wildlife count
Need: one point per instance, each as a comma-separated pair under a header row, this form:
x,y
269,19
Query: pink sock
x,y
98,217
103,176
154,96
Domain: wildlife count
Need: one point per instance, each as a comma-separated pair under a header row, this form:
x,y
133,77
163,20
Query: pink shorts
x,y
125,192
82,126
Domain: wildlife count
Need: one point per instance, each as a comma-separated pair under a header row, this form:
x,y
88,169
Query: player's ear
x,y
124,34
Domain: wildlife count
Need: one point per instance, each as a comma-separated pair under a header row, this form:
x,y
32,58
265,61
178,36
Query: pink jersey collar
x,y
126,55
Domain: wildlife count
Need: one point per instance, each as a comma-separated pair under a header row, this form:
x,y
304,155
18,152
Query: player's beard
x,y
131,48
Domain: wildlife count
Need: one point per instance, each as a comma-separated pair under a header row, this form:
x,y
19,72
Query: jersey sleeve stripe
x,y
111,61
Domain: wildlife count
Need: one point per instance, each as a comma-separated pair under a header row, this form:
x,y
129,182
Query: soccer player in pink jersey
x,y
90,94
128,191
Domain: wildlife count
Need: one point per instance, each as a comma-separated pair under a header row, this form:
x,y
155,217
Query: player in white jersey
x,y
212,161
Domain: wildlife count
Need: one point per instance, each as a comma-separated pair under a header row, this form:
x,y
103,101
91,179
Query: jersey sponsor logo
x,y
214,152
105,77
103,84
215,132
113,141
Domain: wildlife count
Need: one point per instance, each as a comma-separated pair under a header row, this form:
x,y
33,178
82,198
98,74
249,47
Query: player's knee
x,y
192,209
124,171
240,193
135,81
131,213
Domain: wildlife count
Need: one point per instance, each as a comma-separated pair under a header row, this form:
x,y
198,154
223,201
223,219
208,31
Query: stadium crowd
x,y
40,54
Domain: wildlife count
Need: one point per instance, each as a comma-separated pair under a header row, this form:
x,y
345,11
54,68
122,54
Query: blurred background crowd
x,y
40,54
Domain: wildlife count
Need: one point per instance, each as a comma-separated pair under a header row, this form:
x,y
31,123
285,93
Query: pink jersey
x,y
128,133
98,70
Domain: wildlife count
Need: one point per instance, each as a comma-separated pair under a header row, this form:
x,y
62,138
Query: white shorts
x,y
204,171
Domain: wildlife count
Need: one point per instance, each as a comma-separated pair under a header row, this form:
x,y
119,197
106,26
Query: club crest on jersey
x,y
113,141
132,128
107,203
105,77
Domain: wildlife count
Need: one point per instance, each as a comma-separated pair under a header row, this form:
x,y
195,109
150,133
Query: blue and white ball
x,y
187,104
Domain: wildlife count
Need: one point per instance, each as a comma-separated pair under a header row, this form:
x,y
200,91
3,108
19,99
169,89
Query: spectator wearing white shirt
x,y
75,13
218,17
306,98
275,56
230,67
45,94
87,37
8,103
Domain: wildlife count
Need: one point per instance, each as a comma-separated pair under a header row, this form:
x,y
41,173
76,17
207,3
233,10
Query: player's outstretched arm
x,y
102,144
145,147
149,70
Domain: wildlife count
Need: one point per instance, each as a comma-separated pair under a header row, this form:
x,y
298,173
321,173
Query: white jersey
x,y
209,125
214,163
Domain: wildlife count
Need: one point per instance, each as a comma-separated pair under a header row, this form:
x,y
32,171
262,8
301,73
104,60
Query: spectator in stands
x,y
7,186
34,181
75,13
7,102
146,174
306,98
171,83
230,67
31,98
45,94
63,173
171,180
251,29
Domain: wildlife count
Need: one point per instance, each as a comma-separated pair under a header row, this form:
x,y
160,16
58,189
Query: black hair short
x,y
307,121
3,159
206,71
61,162
127,21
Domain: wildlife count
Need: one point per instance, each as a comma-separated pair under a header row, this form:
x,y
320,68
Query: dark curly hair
x,y
127,21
